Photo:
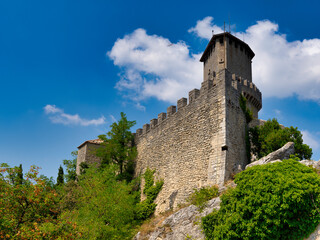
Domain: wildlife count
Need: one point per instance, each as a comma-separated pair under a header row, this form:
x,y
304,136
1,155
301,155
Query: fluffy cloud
x,y
57,115
204,28
310,139
280,68
154,67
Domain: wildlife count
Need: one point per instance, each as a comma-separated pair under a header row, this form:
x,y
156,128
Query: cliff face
x,y
182,224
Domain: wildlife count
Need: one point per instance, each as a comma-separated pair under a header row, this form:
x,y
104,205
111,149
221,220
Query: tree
x,y
272,136
20,175
71,166
273,201
30,210
105,206
60,178
118,147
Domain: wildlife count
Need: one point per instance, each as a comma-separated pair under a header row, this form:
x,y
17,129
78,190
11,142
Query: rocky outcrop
x,y
280,154
182,224
311,163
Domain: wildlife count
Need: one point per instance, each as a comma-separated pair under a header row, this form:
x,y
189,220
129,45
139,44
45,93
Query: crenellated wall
x,y
200,142
250,92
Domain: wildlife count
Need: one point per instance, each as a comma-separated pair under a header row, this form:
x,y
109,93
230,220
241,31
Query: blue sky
x,y
68,68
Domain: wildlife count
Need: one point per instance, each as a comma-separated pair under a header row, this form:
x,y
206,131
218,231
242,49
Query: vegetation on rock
x,y
151,189
272,201
201,196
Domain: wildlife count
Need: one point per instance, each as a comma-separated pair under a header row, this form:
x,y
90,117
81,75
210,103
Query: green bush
x,y
273,201
104,207
271,136
202,195
151,189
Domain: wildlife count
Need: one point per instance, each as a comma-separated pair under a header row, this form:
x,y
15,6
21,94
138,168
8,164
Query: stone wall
x,y
192,147
86,153
225,51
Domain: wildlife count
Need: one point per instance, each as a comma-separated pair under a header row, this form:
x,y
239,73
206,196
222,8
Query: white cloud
x,y
205,27
309,139
51,109
152,66
155,67
280,68
57,115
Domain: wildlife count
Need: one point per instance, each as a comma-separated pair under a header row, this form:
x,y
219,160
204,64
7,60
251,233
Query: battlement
x,y
182,104
250,91
243,86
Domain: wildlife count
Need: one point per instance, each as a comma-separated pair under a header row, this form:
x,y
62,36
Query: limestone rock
x,y
182,224
276,156
315,164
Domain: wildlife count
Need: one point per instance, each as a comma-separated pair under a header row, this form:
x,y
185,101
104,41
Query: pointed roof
x,y
229,35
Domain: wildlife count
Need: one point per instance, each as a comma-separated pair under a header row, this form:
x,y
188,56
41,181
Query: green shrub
x,y
202,195
273,201
271,136
151,189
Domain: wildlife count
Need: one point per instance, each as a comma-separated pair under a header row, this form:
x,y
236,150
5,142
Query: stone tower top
x,y
225,51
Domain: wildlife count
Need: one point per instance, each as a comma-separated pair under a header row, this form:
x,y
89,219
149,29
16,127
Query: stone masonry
x,y
86,153
202,142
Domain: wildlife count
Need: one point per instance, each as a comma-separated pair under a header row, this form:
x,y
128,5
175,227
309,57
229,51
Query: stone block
x,y
139,131
161,117
146,128
153,122
181,103
193,95
171,110
206,85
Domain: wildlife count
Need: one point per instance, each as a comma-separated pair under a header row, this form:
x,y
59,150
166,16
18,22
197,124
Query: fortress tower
x,y
225,51
202,141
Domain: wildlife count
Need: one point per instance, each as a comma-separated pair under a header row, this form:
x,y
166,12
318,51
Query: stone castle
x,y
199,142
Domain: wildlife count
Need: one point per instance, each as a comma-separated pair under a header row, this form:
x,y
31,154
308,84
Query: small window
x,y
221,41
224,148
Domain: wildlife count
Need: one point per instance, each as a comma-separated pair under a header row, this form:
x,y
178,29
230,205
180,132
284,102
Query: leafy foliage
x,y
272,136
151,189
28,208
60,178
200,196
104,206
243,105
249,116
71,166
273,201
118,147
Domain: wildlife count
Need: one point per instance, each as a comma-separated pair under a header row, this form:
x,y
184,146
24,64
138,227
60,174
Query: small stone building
x,y
86,153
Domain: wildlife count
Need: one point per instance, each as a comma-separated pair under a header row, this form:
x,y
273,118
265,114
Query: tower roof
x,y
229,35
94,141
